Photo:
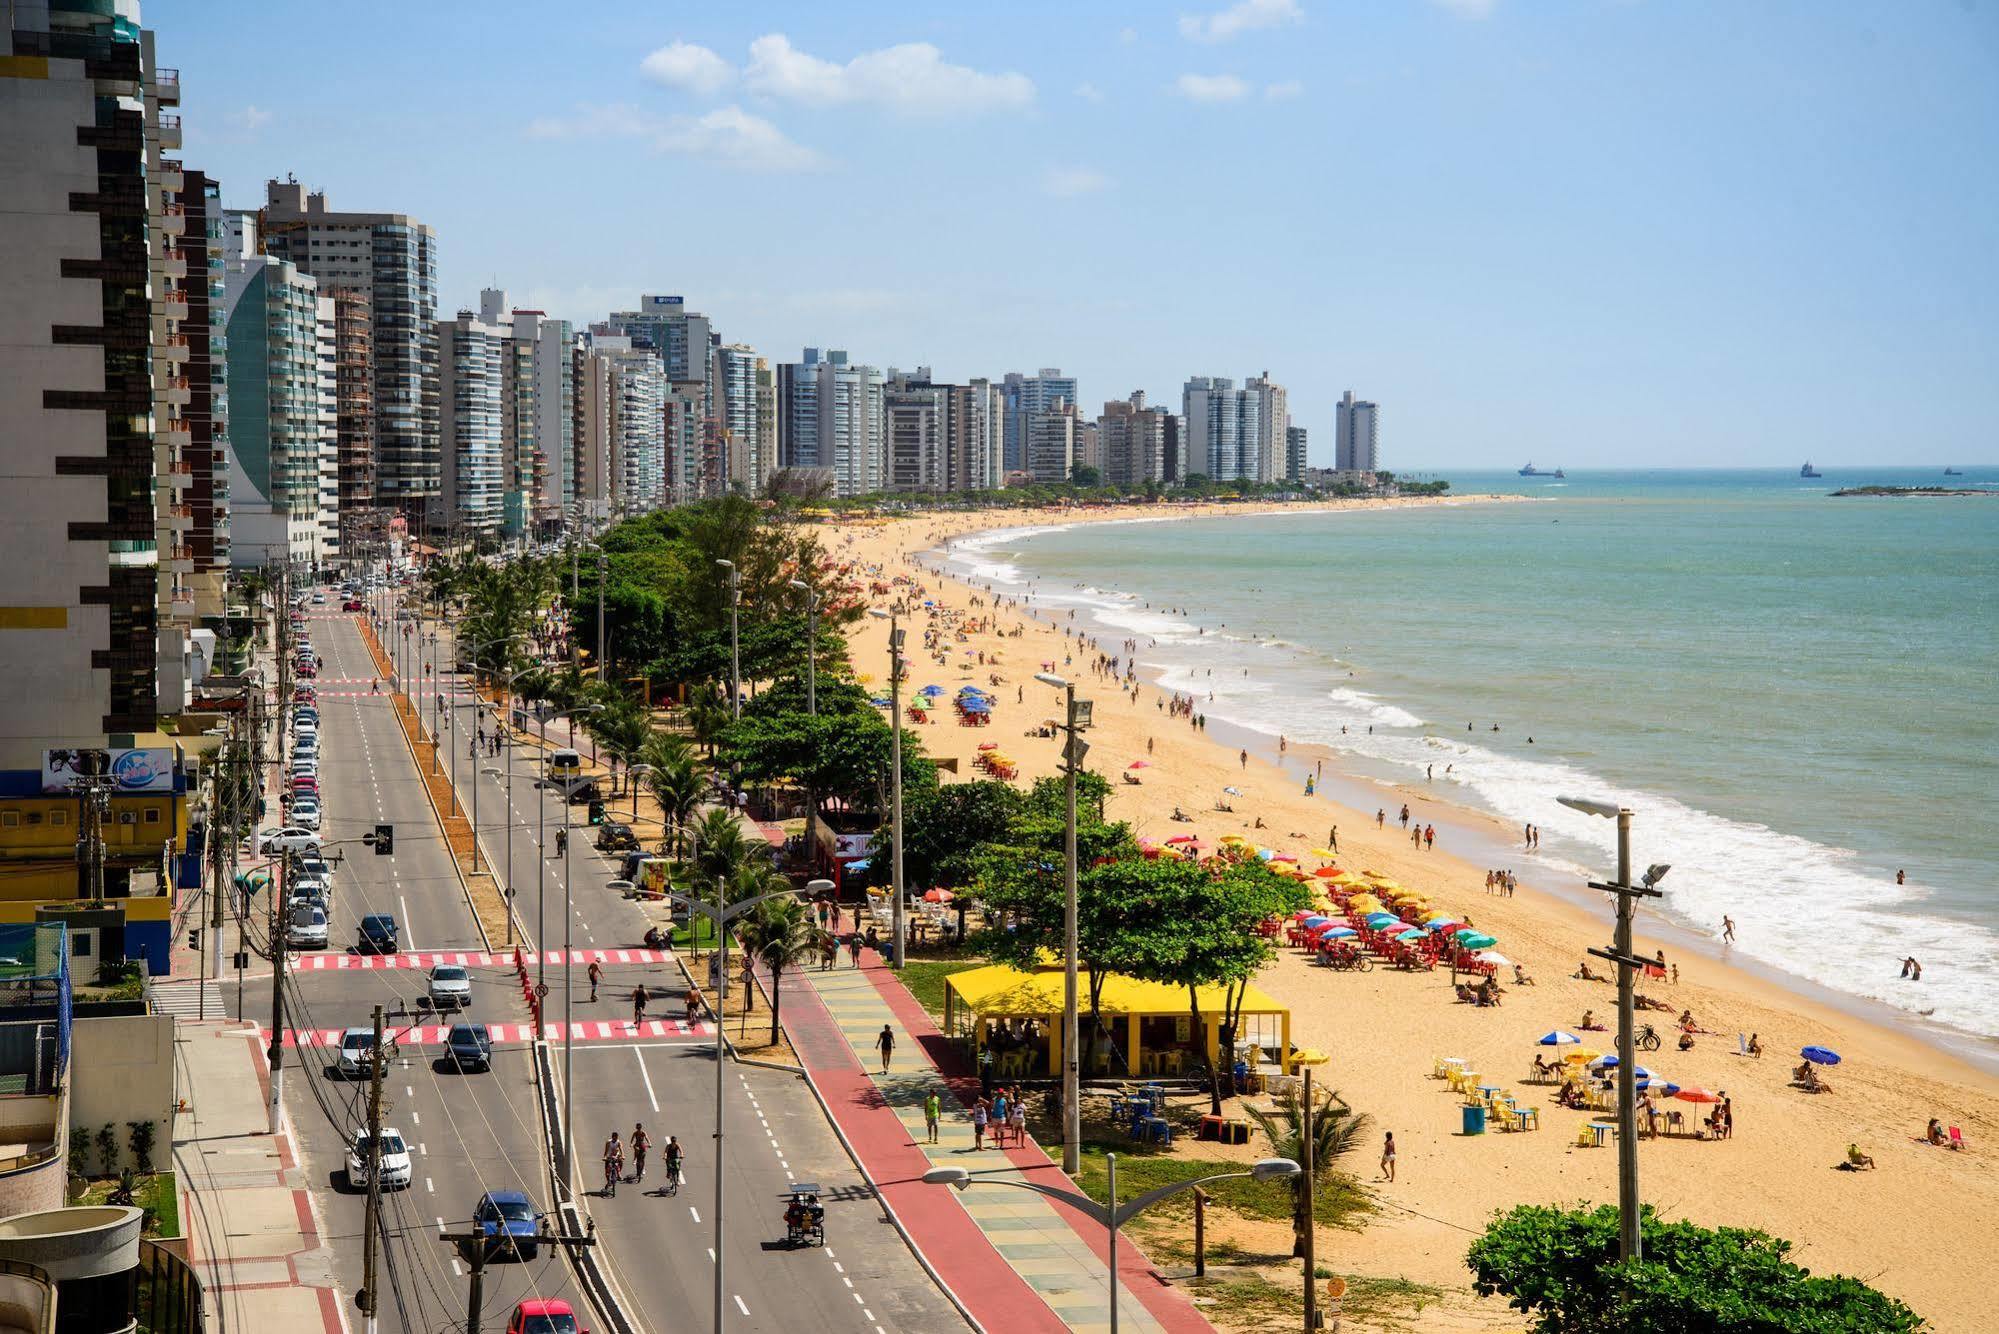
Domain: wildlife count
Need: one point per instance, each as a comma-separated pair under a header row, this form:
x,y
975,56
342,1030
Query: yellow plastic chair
x,y
1585,1137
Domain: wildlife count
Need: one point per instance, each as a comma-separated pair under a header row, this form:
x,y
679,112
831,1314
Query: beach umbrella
x,y
1495,958
1234,792
1609,1062
1655,1084
1315,920
1581,1055
937,896
1339,933
1381,918
989,745
1183,838
1475,941
1139,764
1820,1055
1695,1093
931,692
1558,1038
1326,872
1440,921
1414,933
1327,853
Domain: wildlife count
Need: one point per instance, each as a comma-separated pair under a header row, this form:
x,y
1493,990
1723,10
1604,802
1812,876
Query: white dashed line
x,y
739,1303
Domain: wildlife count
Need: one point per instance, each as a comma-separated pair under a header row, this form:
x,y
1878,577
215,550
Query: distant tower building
x,y
471,389
1357,437
1294,454
283,420
1224,428
1051,442
1025,396
1273,419
763,450
1134,441
830,420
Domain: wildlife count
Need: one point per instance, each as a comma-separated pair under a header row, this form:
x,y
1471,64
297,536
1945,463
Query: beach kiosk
x,y
1150,1028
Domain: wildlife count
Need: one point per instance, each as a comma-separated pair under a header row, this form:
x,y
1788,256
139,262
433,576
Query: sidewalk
x,y
993,1246
252,1232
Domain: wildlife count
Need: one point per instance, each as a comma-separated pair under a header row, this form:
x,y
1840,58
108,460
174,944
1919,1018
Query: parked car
x,y
308,929
615,837
393,1157
507,1221
305,812
289,839
307,670
450,987
377,934
469,1047
357,1052
544,1315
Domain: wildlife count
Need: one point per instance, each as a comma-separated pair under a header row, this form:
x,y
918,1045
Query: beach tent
x,y
1141,1016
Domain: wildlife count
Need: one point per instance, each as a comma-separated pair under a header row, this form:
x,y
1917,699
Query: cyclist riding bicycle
x,y
614,1164
673,1160
640,1142
562,842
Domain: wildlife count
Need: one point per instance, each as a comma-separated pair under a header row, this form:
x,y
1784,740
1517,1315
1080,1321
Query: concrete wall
x,y
121,1068
35,1178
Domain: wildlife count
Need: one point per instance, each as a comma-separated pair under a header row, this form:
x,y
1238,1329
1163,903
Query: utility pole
x,y
1309,1127
369,1302
603,640
1073,750
895,637
276,1051
474,1248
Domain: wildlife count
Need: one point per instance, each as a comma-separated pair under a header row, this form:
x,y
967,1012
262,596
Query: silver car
x,y
450,987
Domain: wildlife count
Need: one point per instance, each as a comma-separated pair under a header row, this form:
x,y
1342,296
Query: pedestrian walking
x,y
932,1109
885,1041
854,948
1388,1156
979,1115
638,1006
596,976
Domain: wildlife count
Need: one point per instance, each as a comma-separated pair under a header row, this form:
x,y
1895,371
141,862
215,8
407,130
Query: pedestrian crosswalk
x,y
589,1030
425,959
185,999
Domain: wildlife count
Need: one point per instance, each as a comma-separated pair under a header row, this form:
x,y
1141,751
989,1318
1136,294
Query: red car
x,y
353,604
306,670
548,1315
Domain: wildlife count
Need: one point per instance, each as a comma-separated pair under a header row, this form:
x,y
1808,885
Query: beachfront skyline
x,y
1616,212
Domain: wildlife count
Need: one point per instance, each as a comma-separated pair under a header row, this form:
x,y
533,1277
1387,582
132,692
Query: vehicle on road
x,y
318,599
805,1217
352,604
377,934
450,987
469,1047
307,670
357,1052
615,838
308,929
508,1222
544,1315
305,812
289,839
394,1157
564,766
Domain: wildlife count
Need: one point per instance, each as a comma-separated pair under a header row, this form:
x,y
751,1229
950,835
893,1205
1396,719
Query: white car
x,y
450,987
305,814
289,839
315,868
356,1051
319,599
307,930
394,1156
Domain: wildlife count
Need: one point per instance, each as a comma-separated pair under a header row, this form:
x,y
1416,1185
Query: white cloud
x,y
1241,17
690,67
251,118
1211,87
1281,92
1068,182
912,78
1089,92
728,136
1127,35
1470,9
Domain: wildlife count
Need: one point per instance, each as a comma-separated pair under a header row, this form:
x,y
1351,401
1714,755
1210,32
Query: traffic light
x,y
596,812
385,840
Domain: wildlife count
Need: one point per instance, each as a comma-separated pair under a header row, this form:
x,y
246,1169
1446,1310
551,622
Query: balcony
x,y
170,263
172,219
174,347
173,388
166,86
169,131
170,176
181,561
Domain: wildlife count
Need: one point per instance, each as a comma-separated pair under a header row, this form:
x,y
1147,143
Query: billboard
x,y
145,770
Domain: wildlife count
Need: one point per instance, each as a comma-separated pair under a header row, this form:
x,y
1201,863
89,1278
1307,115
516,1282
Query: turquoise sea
x,y
1797,695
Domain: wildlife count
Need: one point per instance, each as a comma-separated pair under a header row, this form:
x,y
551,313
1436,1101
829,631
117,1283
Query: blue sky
x,y
1589,232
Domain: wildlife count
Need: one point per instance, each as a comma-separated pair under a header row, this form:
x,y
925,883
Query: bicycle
x,y
1647,1038
671,1186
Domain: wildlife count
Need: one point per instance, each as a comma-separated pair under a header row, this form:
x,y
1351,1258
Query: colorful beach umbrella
x,y
937,896
1610,1062
931,691
1558,1038
1475,941
1413,934
1663,1087
1820,1055
1695,1093
1139,764
1315,920
1339,933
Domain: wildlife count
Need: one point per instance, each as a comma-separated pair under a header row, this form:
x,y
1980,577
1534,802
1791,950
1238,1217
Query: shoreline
x,y
1383,1029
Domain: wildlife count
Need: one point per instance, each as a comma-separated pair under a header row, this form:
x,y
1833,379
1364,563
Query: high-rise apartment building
x,y
591,429
354,391
1235,435
1294,454
830,420
761,461
1051,442
393,258
981,464
739,414
283,421
1273,419
1134,440
471,359
635,401
204,519
1025,396
917,423
1357,435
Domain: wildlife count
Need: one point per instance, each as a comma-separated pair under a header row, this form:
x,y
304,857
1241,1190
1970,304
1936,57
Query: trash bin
x,y
1474,1120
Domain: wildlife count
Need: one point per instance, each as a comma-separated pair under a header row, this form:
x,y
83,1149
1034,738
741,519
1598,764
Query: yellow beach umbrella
x,y
1232,838
1583,1054
1327,853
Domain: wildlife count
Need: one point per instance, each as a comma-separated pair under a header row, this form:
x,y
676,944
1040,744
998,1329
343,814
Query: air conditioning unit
x,y
128,817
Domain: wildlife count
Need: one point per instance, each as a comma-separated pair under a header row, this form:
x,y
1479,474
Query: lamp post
x,y
568,963
1114,1215
1630,1244
812,710
721,913
474,650
603,636
895,635
1074,748
735,655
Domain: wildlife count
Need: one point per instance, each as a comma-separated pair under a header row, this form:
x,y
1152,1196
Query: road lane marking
x,y
696,1212
427,1186
739,1303
639,1056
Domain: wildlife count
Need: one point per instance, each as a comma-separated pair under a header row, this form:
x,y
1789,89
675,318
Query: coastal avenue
x,y
473,1132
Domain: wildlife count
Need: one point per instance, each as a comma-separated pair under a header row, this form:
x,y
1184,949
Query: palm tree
x,y
713,849
622,730
782,934
707,714
1335,1128
677,779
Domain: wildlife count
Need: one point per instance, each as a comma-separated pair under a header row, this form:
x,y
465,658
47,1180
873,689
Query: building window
x,y
79,943
58,818
10,820
153,815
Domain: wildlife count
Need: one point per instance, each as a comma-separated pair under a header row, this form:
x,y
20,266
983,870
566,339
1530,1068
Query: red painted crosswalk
x,y
426,959
591,1030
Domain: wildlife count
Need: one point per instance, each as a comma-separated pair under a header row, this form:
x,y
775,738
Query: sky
x,y
1590,233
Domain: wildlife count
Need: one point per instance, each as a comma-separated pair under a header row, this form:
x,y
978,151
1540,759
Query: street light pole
x,y
1113,1215
895,634
735,656
812,710
1630,1242
1072,1112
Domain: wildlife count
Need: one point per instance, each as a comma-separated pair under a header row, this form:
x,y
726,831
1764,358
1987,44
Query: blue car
x,y
508,1222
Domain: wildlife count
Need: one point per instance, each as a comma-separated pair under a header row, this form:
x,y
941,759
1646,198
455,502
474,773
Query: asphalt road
x,y
468,1133
657,1248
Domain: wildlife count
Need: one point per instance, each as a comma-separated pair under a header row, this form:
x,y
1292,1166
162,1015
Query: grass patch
x,y
155,1194
699,934
1378,1300
925,980
1338,1202
1242,1300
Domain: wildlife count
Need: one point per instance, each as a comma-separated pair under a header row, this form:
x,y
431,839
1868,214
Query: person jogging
x,y
640,1142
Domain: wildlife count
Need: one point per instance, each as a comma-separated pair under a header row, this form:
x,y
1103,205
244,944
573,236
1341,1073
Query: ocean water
x,y
1796,695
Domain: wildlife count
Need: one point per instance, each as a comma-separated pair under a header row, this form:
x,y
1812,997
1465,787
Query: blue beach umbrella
x,y
1314,920
1820,1055
1411,935
1378,920
1610,1063
1657,1084
1558,1038
931,692
1340,933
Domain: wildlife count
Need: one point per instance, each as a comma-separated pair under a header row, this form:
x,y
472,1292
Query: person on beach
x,y
1756,1045
1521,977
1380,819
1589,1023
1728,928
1388,1156
1901,877
979,1115
1244,758
1333,838
1429,837
1405,815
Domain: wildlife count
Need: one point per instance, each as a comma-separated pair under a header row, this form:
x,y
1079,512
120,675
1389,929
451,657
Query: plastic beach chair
x,y
1585,1137
1956,1138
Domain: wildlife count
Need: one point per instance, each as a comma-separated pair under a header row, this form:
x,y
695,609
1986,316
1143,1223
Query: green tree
x,y
781,933
1561,1266
1333,1129
677,779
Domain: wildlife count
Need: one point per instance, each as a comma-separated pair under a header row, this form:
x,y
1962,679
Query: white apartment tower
x,y
472,396
1357,439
